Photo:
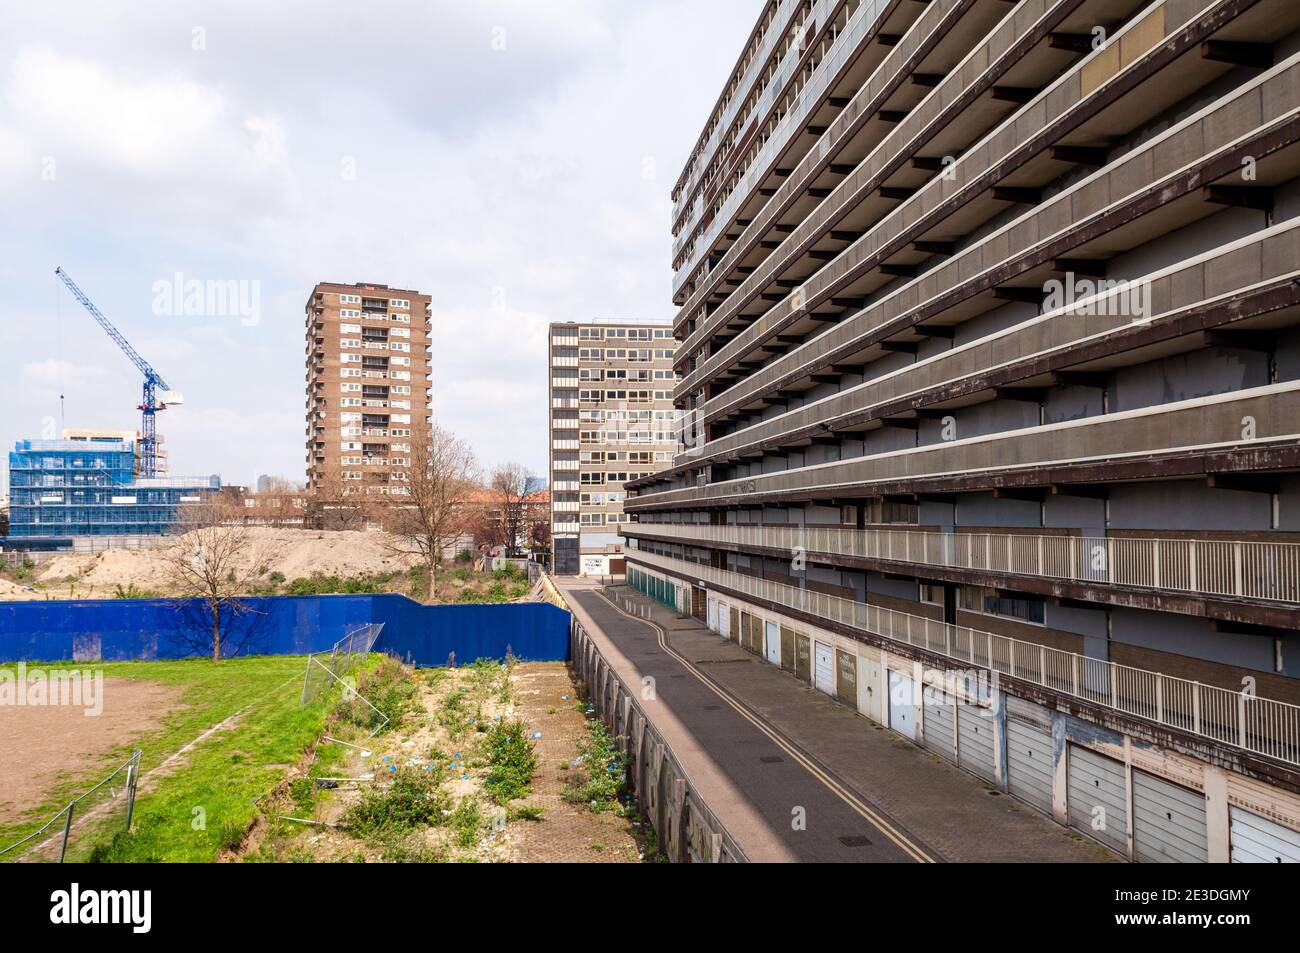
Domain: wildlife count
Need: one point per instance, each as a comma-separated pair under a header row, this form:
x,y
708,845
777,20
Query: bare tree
x,y
336,503
509,488
213,561
425,520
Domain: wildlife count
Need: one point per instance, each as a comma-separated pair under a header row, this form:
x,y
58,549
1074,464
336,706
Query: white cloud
x,y
516,186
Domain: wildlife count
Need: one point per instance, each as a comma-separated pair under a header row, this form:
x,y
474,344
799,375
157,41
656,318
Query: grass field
x,y
203,802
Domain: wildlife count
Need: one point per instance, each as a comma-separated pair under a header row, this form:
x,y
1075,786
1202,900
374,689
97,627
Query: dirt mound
x,y
13,592
293,552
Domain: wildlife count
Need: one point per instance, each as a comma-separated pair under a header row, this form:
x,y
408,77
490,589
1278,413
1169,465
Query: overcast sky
x,y
512,158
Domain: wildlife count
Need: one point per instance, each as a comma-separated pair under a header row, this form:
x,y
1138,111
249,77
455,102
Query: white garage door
x,y
724,620
938,714
1097,800
713,615
975,740
902,705
772,643
824,668
1030,766
1257,840
1168,822
869,689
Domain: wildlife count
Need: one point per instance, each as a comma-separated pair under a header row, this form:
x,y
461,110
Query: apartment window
x,y
894,511
398,346
591,334
401,318
350,299
401,332
351,358
990,602
399,303
350,328
932,594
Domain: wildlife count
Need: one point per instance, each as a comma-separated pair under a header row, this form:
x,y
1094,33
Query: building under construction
x,y
90,485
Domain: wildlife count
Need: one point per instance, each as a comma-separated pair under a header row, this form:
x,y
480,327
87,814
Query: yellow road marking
x,y
901,840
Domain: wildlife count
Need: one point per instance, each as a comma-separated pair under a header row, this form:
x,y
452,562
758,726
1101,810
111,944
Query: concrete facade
x,y
989,319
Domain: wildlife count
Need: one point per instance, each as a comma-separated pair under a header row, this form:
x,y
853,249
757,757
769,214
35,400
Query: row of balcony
x,y
968,186
1231,568
1260,725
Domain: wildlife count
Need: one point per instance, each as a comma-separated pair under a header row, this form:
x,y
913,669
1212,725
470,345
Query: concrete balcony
x,y
1109,446
1259,725
968,187
1266,571
1215,283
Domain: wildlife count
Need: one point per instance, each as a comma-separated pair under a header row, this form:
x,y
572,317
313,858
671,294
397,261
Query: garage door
x,y
1168,822
938,730
846,677
1030,765
772,645
869,689
713,615
725,615
902,705
975,740
1257,840
824,668
803,658
1097,800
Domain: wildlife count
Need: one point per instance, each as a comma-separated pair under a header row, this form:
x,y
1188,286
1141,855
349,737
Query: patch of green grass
x,y
512,762
221,775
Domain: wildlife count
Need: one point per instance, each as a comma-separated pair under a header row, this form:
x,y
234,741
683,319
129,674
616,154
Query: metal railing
x,y
1235,568
1260,725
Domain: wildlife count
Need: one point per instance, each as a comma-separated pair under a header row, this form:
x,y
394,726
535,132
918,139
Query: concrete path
x,y
765,751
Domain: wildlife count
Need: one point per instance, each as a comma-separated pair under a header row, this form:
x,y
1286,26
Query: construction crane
x,y
157,395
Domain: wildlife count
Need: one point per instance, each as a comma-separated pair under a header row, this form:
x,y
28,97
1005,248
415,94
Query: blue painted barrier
x,y
125,629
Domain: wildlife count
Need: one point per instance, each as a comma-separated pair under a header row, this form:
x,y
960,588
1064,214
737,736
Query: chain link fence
x,y
72,833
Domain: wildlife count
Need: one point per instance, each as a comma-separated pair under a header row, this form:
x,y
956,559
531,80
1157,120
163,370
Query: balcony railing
x,y
1233,568
1261,725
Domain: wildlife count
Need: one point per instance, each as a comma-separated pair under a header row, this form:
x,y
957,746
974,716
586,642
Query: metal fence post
x,y
67,829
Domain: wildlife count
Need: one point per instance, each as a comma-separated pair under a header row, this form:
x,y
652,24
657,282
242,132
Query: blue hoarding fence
x,y
144,629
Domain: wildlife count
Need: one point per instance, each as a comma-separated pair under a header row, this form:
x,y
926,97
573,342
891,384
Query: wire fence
x,y
324,670
72,833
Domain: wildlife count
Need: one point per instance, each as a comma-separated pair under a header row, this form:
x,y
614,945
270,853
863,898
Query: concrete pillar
x,y
1217,815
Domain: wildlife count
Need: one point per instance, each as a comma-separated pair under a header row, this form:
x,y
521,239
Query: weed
x,y
466,821
601,775
412,799
512,761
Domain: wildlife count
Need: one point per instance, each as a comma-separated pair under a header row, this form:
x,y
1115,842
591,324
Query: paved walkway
x,y
765,751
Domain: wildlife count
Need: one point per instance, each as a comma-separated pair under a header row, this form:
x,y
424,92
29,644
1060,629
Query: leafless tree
x,y
425,520
509,488
213,561
336,503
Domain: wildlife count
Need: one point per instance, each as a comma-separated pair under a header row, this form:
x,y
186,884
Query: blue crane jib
x,y
153,381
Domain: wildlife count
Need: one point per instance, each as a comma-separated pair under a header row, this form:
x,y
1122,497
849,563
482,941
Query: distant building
x,y
89,486
368,387
612,420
